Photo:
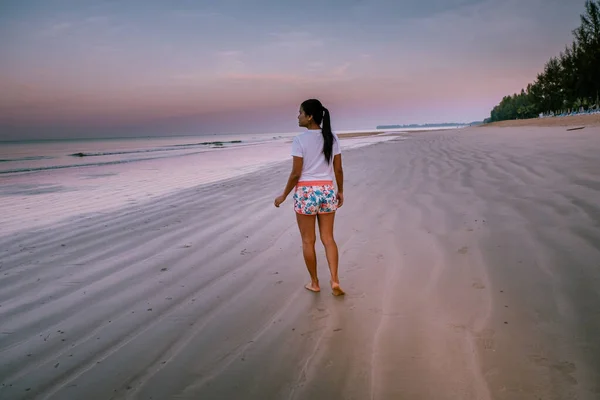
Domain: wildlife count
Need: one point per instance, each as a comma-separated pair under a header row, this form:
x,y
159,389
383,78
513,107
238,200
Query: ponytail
x,y
327,135
321,117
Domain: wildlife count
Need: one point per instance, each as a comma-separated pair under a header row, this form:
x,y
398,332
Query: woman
x,y
316,159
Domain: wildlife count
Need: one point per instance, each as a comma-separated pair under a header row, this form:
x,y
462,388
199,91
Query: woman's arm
x,y
339,172
292,180
339,178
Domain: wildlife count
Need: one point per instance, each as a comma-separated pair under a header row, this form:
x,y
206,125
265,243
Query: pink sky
x,y
107,70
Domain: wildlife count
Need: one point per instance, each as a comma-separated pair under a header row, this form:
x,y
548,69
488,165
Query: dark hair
x,y
320,114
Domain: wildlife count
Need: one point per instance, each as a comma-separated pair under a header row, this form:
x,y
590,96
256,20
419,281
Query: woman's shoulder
x,y
299,137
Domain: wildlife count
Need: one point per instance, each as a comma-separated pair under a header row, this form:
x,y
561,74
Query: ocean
x,y
43,182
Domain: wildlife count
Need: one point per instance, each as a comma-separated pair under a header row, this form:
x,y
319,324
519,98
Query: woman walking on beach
x,y
316,159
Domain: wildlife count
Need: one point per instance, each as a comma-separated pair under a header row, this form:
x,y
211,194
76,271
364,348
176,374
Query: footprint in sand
x,y
478,285
463,250
458,328
486,339
566,369
538,360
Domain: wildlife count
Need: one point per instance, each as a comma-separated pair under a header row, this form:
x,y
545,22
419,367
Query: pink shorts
x,y
315,197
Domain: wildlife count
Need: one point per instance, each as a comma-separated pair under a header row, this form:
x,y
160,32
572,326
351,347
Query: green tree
x,y
571,80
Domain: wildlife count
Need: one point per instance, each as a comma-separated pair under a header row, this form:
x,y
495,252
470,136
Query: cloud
x,y
337,74
230,62
386,11
72,26
230,53
341,70
189,78
495,41
195,14
57,28
267,78
175,60
96,19
488,23
295,40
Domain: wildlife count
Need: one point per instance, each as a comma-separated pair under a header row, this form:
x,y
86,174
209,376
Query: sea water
x,y
43,182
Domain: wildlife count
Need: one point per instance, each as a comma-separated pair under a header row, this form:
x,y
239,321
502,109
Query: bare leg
x,y
331,249
306,223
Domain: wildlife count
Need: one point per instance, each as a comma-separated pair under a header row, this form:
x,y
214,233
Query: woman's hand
x,y
340,199
279,200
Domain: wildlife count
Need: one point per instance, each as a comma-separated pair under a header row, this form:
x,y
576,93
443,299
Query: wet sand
x,y
470,259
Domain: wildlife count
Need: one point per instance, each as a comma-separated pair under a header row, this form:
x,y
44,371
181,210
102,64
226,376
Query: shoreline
x,y
37,198
228,136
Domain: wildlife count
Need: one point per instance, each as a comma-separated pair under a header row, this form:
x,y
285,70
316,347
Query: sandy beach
x,y
470,258
572,121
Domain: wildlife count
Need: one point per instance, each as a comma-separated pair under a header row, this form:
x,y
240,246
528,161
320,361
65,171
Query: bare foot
x,y
336,289
312,287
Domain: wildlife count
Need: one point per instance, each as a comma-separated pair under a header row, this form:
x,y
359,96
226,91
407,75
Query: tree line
x,y
569,82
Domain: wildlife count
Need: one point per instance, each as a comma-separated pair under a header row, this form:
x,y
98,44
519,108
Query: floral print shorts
x,y
315,197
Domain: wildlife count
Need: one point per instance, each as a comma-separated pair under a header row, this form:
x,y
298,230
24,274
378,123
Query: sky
x,y
110,68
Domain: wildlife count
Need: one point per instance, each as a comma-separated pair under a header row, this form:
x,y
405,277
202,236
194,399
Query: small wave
x,y
168,148
32,158
53,167
218,143
113,153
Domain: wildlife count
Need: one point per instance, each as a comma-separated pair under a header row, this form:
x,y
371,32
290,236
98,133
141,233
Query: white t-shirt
x,y
309,146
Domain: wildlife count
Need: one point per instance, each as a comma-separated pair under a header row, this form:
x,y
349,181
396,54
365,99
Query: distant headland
x,y
441,125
